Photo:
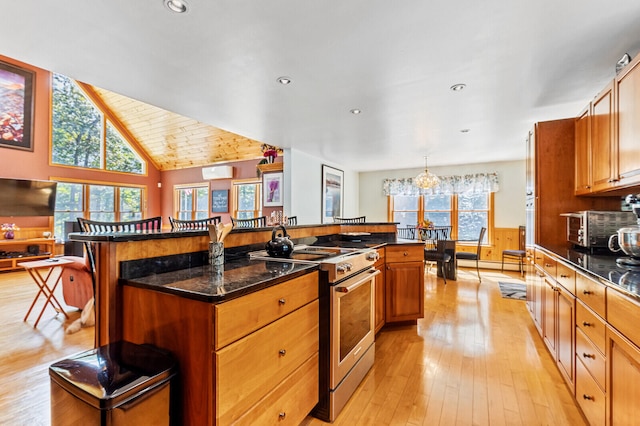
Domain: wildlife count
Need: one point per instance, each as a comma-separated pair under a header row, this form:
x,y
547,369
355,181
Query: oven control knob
x,y
373,256
344,267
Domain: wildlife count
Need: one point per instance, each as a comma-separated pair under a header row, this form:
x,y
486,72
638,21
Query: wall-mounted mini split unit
x,y
217,172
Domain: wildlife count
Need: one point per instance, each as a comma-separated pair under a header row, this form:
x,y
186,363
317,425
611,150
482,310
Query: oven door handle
x,y
347,288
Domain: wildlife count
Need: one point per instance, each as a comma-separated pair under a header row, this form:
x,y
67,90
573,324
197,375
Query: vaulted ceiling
x,y
522,61
174,141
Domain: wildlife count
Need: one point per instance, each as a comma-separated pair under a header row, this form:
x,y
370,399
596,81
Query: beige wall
x,y
509,200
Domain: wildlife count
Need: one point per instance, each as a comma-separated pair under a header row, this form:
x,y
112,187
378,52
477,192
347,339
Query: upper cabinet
x,y
628,123
583,152
607,138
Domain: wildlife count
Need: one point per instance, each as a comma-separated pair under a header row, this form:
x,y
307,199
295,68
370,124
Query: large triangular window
x,y
83,137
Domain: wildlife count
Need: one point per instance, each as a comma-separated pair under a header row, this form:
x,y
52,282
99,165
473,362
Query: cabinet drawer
x,y
538,258
592,293
239,317
590,357
589,396
290,402
566,276
405,253
591,325
250,368
549,265
622,314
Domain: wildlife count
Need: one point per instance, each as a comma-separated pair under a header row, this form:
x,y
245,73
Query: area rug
x,y
516,291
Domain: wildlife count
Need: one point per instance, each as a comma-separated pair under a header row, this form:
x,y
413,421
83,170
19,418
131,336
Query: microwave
x,y
592,229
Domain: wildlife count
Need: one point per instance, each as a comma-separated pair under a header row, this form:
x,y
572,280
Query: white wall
x,y
303,185
509,200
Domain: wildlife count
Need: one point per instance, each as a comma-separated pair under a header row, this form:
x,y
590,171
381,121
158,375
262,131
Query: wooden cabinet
x,y
603,155
404,279
583,152
379,313
565,343
627,114
623,366
553,311
250,360
17,251
549,314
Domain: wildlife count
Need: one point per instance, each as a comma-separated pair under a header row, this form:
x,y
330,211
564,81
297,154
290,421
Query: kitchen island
x,y
224,326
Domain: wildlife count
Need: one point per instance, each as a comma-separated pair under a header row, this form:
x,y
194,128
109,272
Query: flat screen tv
x,y
22,197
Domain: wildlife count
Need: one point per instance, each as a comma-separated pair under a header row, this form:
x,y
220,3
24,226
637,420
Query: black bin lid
x,y
113,374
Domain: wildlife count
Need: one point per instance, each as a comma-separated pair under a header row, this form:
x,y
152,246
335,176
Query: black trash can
x,y
121,383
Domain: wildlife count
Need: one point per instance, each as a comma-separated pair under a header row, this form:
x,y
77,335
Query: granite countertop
x,y
213,284
602,266
189,275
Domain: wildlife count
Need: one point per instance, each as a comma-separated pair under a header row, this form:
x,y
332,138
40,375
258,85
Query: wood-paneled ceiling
x,y
173,141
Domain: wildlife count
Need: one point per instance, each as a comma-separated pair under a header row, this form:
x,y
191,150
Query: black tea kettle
x,y
280,244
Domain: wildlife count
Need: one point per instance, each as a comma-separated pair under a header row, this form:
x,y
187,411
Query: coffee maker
x,y
627,239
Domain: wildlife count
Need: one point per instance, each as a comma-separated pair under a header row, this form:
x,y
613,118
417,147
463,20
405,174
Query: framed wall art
x,y
332,193
272,189
16,107
220,201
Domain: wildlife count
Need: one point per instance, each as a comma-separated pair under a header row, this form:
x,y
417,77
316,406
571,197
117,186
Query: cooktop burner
x,y
311,254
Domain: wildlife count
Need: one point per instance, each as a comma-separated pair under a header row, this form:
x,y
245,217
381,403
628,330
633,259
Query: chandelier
x,y
426,179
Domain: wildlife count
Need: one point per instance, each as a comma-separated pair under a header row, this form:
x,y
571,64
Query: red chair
x,y
77,282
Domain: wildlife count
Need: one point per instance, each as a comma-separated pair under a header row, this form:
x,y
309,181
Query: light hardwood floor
x,y
475,359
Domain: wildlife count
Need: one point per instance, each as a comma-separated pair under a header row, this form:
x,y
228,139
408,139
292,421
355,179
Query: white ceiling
x,y
522,62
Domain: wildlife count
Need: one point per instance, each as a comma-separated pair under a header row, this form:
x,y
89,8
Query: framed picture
x,y
332,193
272,189
16,107
220,200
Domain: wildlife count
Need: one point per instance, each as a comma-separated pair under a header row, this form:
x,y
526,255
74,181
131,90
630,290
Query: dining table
x,y
438,238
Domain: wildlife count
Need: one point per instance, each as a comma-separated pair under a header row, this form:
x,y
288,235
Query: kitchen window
x,y
466,214
246,198
191,202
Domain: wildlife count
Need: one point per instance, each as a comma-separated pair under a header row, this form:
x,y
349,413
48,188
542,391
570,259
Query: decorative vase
x,y
9,235
270,159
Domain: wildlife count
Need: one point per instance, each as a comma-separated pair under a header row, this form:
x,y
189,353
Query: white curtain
x,y
477,183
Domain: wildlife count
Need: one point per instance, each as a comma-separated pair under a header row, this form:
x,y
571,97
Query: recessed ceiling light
x,y
458,87
284,80
355,111
177,6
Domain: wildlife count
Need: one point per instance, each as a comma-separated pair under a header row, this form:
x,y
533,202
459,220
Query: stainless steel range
x,y
347,348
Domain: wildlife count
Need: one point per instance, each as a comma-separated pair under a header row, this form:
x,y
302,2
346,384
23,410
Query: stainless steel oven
x,y
352,336
347,347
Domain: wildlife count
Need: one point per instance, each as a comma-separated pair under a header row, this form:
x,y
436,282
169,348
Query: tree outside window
x,y
83,137
192,202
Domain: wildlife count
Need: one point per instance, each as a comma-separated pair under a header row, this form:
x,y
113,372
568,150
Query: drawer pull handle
x,y
282,301
282,352
588,397
282,415
592,356
564,276
406,253
586,324
547,265
587,292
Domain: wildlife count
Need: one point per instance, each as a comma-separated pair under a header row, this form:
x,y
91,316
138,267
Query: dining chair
x,y
88,225
464,255
256,222
519,254
434,249
360,219
181,224
406,233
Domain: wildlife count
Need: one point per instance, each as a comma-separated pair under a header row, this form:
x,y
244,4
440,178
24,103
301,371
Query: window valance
x,y
477,183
